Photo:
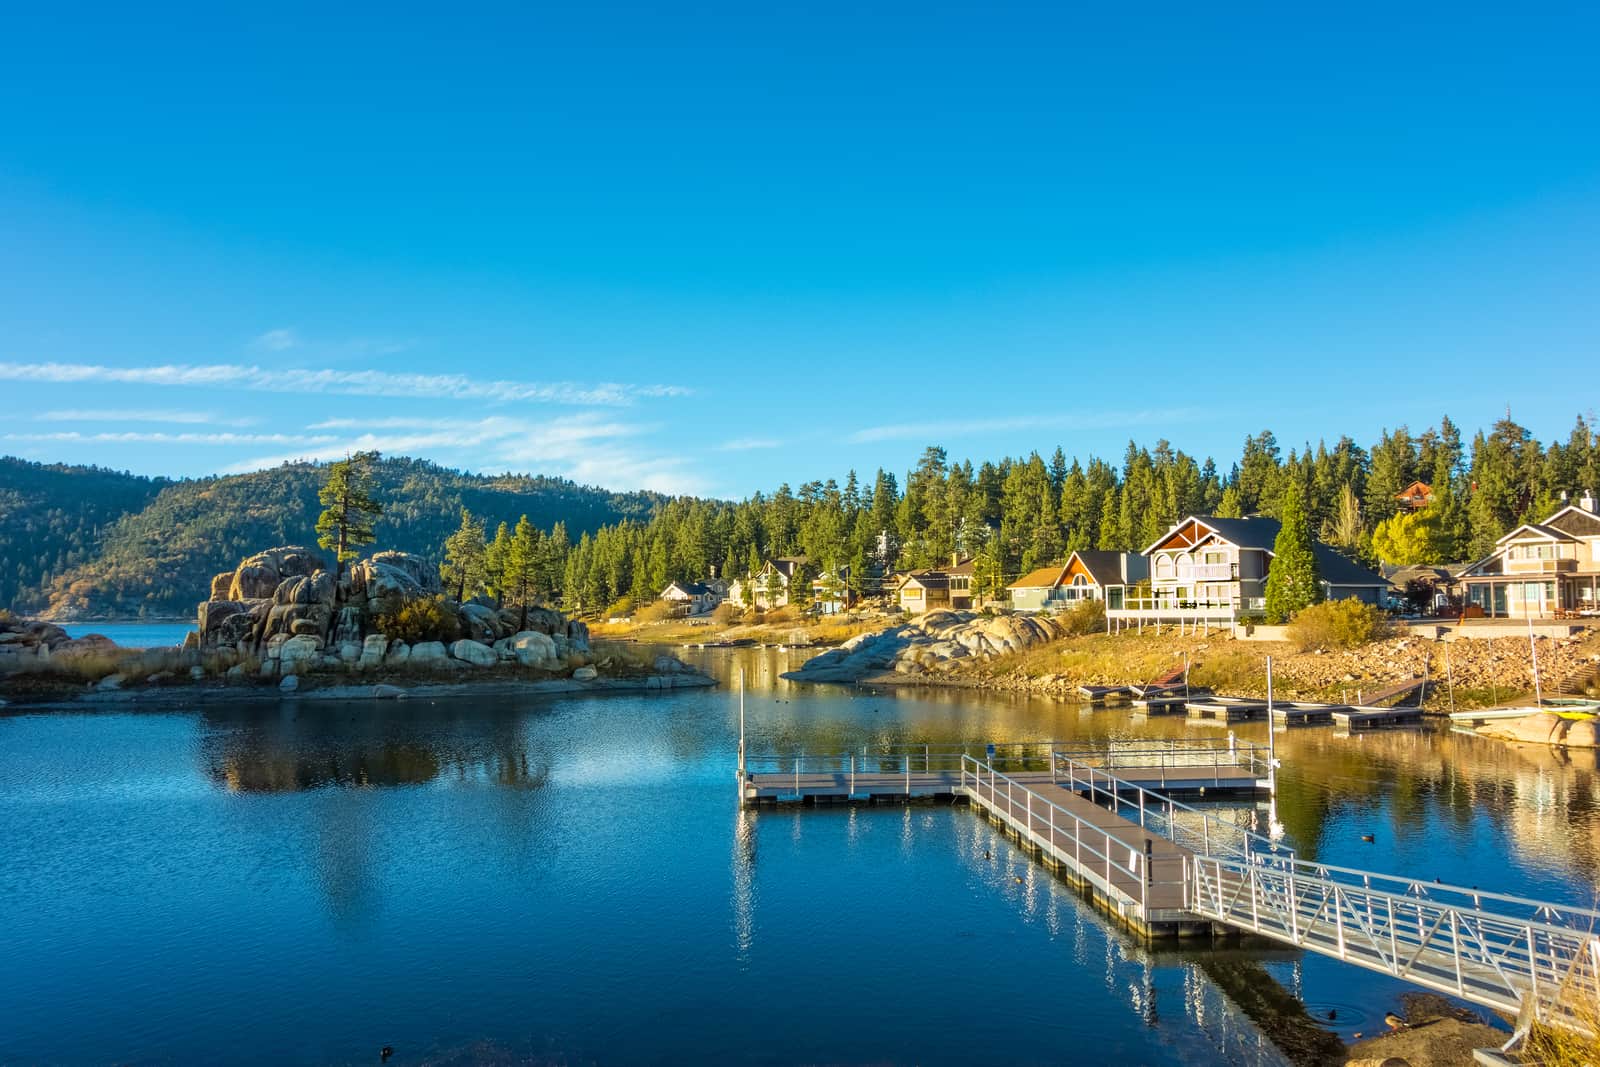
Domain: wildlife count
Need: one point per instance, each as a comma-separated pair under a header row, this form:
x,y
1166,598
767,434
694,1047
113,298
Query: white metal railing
x,y
1173,753
911,763
1491,949
1067,837
1199,831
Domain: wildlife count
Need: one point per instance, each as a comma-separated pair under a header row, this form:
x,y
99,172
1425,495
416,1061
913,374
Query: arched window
x,y
1185,567
1163,566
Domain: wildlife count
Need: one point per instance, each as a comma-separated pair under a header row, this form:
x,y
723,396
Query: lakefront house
x,y
1086,575
691,598
1548,569
758,590
937,588
1214,569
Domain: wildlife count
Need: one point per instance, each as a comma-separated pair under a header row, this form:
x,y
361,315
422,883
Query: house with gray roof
x,y
1208,569
1548,569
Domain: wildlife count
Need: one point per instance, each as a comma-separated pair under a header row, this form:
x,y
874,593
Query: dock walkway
x,y
1165,868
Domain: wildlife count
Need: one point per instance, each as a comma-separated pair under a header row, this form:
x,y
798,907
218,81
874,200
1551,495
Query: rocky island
x,y
384,627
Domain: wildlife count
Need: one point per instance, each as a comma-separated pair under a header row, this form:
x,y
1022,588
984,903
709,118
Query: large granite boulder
x,y
262,574
429,654
935,644
474,652
482,622
383,582
373,649
298,654
534,649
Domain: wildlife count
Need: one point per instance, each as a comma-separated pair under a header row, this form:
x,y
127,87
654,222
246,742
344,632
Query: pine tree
x,y
772,588
349,508
495,562
522,567
466,558
1293,582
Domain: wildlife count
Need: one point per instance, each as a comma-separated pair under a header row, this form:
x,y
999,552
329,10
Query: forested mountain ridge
x,y
52,517
154,553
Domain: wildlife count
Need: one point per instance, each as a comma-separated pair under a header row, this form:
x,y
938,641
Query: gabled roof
x,y
1548,533
1261,533
1103,565
1574,520
1257,533
1336,569
690,588
1411,490
1043,578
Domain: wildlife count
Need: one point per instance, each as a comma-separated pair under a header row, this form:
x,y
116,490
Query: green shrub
x,y
1083,618
425,619
1338,624
724,613
619,610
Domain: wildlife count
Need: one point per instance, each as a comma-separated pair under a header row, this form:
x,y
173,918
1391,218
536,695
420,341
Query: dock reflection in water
x,y
520,875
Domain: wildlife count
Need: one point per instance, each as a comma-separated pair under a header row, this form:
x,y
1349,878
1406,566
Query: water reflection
x,y
304,747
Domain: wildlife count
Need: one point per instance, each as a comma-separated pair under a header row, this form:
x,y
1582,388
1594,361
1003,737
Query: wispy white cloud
x,y
345,382
162,437
748,444
280,340
187,418
587,447
1097,420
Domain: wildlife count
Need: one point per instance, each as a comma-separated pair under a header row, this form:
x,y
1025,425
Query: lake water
x,y
134,634
569,881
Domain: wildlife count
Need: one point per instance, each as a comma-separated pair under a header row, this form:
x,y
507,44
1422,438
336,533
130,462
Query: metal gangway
x,y
1532,959
1502,952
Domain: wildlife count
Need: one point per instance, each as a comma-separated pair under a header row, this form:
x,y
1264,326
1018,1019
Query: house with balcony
x,y
1086,575
1548,569
691,598
937,588
768,588
1208,569
1414,497
831,593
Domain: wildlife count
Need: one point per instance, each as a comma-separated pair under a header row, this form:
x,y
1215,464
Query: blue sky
x,y
714,248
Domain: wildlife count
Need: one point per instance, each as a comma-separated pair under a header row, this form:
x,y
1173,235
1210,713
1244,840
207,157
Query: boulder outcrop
x,y
933,645
261,574
1545,728
286,609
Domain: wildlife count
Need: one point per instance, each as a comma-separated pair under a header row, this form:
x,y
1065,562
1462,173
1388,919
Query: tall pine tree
x,y
1293,582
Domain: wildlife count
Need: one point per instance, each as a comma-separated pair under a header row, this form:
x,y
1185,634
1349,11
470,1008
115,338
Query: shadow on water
x,y
303,746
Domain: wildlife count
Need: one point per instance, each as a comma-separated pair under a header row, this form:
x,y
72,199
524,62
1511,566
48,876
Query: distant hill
x,y
81,542
52,517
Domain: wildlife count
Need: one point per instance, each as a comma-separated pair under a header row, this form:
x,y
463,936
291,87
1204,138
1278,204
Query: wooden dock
x,y
1164,704
1305,713
1227,709
1365,718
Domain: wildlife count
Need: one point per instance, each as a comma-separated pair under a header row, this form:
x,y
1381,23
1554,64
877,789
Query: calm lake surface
x,y
134,634
569,881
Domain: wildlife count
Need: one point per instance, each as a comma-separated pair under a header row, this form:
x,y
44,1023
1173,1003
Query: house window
x,y
1185,568
1164,567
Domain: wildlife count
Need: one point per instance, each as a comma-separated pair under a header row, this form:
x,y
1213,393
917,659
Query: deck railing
x,y
1173,753
1201,832
1492,949
1091,849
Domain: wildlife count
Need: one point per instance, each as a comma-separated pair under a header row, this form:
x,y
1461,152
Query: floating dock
x,y
1227,709
1364,718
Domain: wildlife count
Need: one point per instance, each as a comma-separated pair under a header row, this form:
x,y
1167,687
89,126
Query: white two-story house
x,y
1542,569
1213,569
